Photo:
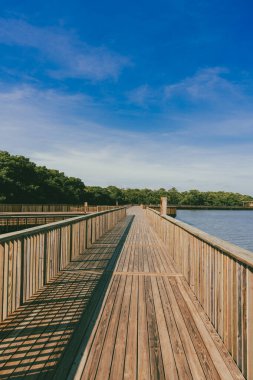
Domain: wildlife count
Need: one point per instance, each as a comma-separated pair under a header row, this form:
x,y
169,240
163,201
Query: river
x,y
233,226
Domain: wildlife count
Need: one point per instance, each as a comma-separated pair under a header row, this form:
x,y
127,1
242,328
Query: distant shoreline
x,y
182,207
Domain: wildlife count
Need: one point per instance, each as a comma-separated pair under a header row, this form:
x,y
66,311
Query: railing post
x,y
163,206
85,207
60,250
22,271
45,259
71,242
21,245
249,324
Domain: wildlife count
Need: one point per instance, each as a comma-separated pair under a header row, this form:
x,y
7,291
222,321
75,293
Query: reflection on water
x,y
233,226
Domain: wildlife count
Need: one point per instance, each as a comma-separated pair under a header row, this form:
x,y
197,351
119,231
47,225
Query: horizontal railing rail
x,y
30,258
221,276
99,208
171,210
5,207
32,218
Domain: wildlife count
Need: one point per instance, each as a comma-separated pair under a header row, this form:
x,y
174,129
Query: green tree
x,y
22,181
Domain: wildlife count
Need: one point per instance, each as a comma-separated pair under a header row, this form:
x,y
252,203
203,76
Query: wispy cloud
x,y
142,95
207,84
49,127
73,57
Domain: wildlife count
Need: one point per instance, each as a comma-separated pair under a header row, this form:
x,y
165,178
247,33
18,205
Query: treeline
x,y
22,181
112,194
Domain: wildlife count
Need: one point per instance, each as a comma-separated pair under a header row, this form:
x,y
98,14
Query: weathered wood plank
x,y
130,366
216,272
149,324
119,347
169,348
143,344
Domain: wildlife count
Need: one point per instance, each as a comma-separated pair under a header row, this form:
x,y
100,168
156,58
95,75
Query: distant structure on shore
x,y
248,204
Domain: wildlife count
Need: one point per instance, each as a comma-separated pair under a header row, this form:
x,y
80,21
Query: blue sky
x,y
136,94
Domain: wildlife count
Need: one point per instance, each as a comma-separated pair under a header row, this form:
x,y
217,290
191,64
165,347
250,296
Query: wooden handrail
x,y
19,207
171,210
243,255
50,226
221,276
32,257
38,214
15,221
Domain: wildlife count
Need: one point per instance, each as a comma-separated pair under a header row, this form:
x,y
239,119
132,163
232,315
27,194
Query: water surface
x,y
233,226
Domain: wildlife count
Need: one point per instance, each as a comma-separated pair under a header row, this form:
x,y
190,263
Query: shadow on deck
x,y
42,338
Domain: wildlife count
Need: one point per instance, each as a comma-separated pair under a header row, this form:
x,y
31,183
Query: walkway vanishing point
x,y
126,307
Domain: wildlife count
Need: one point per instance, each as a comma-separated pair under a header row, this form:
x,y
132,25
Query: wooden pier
x,y
124,304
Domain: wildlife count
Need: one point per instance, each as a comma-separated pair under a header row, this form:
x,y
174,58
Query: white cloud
x,y
207,87
46,126
142,96
73,57
207,84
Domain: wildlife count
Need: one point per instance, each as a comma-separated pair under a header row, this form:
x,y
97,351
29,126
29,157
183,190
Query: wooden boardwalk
x,y
34,338
119,311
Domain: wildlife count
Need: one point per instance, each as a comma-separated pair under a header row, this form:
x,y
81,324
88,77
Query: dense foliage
x,y
22,181
112,194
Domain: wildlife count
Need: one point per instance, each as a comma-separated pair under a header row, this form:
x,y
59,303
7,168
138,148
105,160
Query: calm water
x,y
233,226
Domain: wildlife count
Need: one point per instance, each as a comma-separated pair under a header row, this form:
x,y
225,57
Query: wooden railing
x,y
221,276
40,207
4,207
32,257
100,208
26,219
171,210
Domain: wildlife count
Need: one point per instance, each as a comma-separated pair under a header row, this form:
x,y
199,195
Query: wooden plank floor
x,y
33,339
150,325
120,311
